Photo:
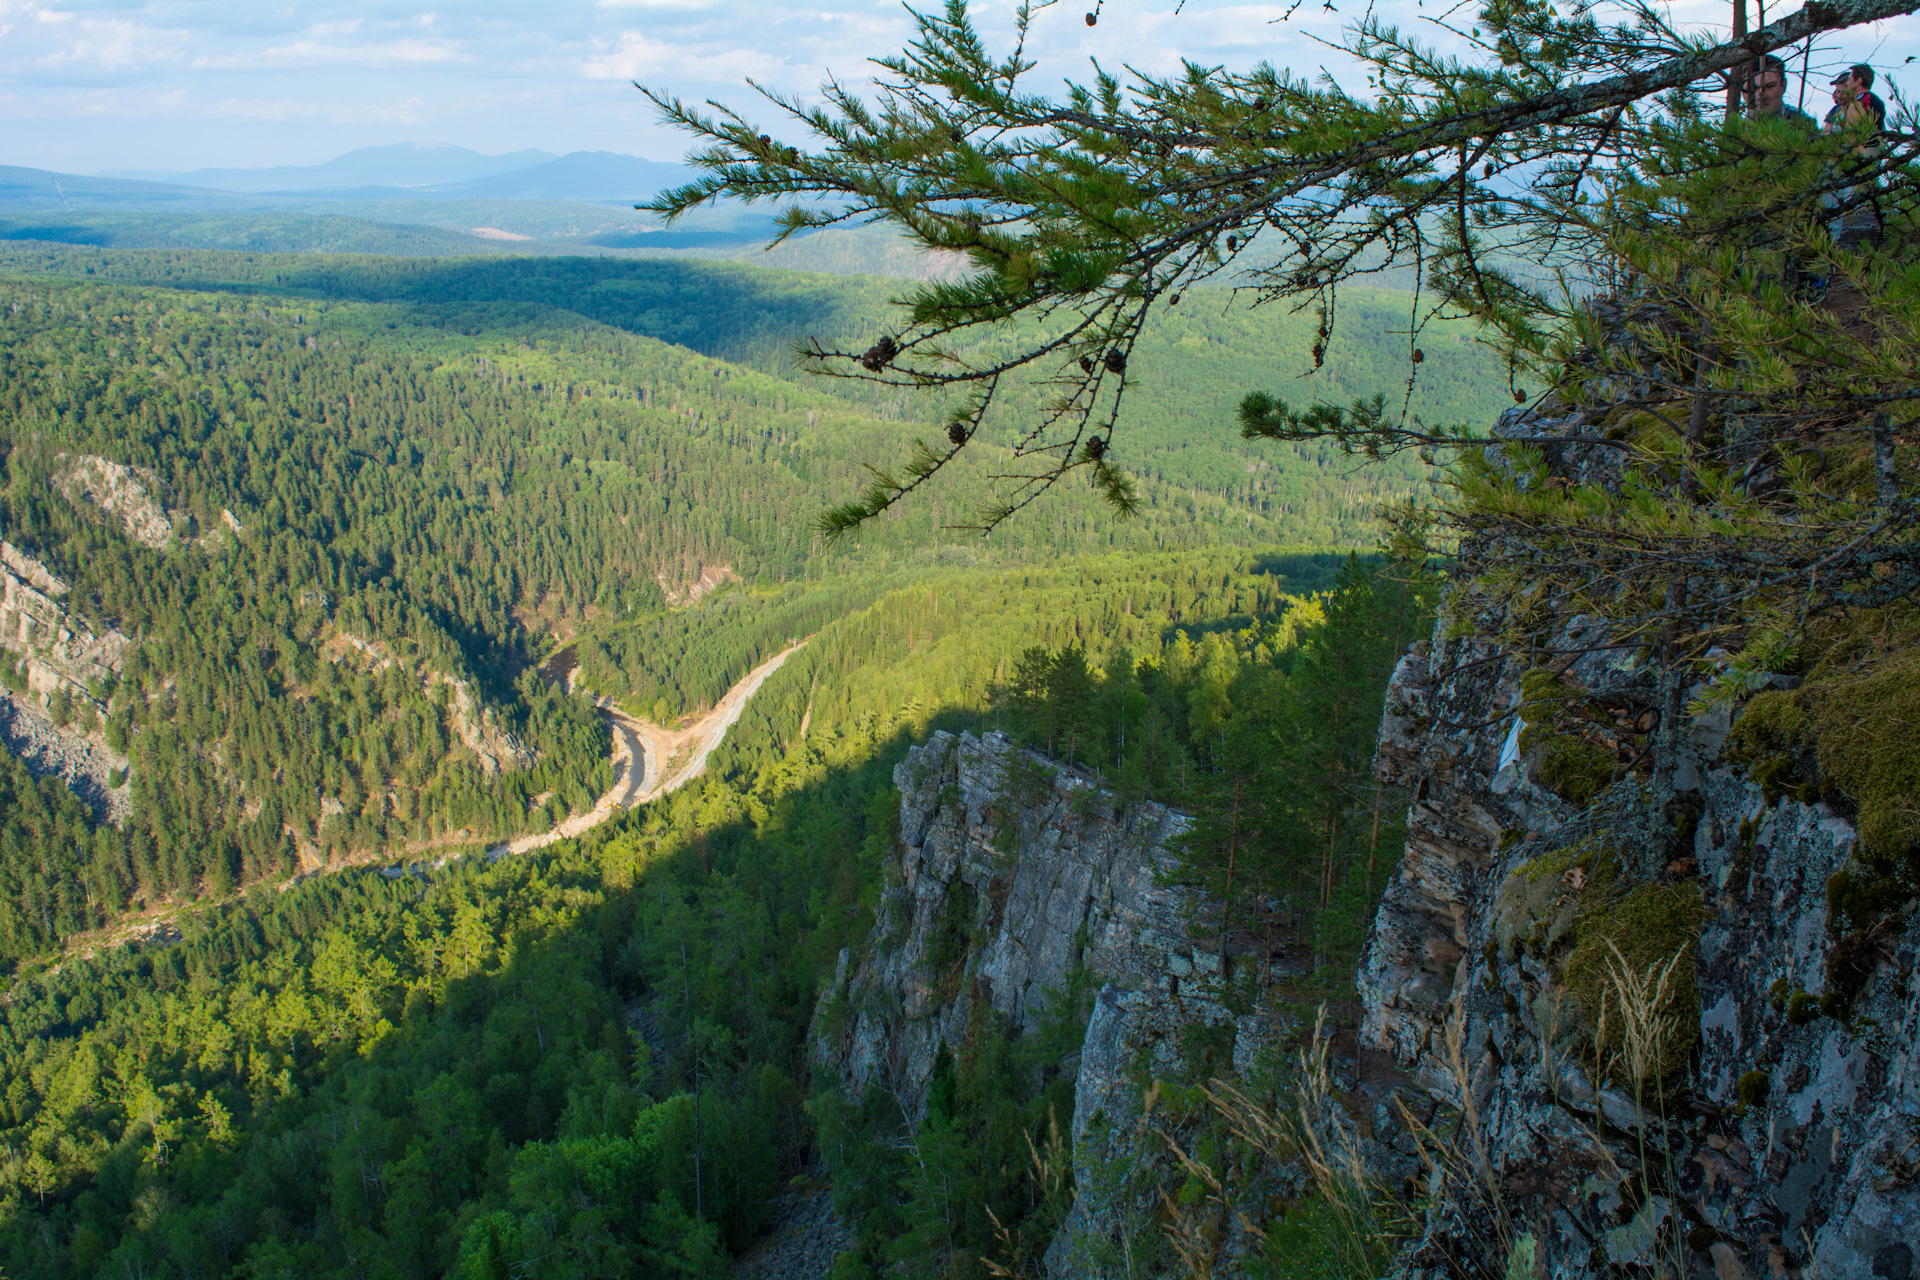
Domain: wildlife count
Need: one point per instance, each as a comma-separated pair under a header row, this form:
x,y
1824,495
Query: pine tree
x,y
1678,422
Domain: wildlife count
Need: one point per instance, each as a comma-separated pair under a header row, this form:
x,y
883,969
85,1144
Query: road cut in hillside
x,y
650,760
675,757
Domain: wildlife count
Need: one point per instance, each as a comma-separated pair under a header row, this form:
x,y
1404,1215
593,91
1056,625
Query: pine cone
x,y
880,355
1096,449
1418,355
1092,19
1086,364
957,432
1116,361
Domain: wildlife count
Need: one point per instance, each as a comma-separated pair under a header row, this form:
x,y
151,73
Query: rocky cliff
x,y
1013,874
1675,1013
1656,1022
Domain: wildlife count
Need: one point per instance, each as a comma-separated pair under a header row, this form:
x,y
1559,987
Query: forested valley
x,y
347,514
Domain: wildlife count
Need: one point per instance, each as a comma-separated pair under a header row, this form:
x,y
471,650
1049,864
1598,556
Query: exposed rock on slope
x,y
60,650
133,496
56,654
83,761
695,583
497,748
1787,1141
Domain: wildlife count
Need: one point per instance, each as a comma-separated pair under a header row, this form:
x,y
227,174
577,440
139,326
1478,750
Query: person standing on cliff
x,y
1862,111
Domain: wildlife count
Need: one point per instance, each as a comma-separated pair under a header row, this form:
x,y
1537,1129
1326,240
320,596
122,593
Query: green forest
x,y
433,494
406,497
366,1074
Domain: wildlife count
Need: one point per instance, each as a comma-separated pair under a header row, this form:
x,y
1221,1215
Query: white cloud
x,y
120,80
66,42
319,53
634,56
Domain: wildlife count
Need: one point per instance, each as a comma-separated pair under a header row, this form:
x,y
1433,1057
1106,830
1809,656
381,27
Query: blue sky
x,y
87,85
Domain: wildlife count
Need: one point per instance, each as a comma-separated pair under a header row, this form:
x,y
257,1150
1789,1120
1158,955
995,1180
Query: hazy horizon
x,y
88,86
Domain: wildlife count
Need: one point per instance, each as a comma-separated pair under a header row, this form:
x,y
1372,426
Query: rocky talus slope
x,y
55,653
1773,1128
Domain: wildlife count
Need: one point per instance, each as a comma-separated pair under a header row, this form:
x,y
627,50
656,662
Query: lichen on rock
x,y
1768,863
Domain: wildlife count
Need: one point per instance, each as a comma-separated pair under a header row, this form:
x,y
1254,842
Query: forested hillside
x,y
397,484
1180,435
354,518
587,1060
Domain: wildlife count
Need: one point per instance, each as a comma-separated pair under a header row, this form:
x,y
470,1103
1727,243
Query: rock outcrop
x,y
1014,873
60,651
132,497
57,657
1785,1139
478,726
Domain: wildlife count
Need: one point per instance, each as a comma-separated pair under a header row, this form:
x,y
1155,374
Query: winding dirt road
x,y
649,761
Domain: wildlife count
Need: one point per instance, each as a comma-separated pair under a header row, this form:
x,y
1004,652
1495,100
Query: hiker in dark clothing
x,y
1861,110
1860,102
1842,95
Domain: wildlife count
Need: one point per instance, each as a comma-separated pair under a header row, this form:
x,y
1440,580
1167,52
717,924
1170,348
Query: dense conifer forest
x,y
367,1074
393,499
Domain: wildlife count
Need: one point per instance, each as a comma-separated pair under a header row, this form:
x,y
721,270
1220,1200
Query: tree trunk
x,y
1739,77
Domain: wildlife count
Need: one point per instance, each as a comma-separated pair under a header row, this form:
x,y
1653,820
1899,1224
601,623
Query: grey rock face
x,y
58,652
59,649
1807,1169
805,1240
134,497
1014,871
82,761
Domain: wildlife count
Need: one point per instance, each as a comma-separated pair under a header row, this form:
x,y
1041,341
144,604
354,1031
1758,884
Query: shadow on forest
x,y
361,1089
734,312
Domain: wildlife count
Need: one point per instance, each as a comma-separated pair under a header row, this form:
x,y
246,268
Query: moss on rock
x,y
1769,740
1566,764
1538,904
1852,720
1847,734
1647,929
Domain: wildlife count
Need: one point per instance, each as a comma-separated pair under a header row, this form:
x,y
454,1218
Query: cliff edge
x,y
1674,1008
1025,893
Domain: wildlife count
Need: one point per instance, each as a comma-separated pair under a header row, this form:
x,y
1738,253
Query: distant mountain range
x,y
415,199
22,189
404,164
405,171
